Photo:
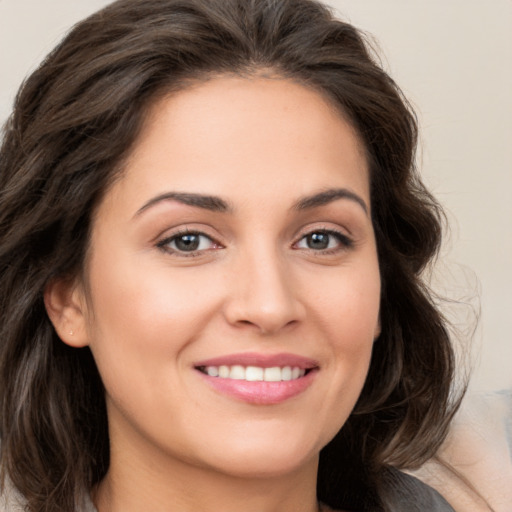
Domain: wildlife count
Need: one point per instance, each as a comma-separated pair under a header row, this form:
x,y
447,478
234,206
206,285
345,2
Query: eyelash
x,y
164,244
344,242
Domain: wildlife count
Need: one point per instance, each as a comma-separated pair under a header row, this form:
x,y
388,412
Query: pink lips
x,y
263,360
260,392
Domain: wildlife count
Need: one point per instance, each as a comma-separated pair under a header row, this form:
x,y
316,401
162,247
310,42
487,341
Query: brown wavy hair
x,y
76,118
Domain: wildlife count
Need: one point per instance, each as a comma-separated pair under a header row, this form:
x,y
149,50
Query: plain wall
x,y
453,59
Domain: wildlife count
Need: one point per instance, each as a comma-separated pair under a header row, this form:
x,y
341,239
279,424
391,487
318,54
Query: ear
x,y
66,306
378,330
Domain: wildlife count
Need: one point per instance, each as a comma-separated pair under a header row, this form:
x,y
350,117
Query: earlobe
x,y
377,331
65,305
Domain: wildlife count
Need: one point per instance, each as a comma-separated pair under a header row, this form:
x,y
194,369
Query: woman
x,y
212,243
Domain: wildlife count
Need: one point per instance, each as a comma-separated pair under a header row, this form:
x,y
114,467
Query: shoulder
x,y
405,493
473,468
395,492
87,504
10,499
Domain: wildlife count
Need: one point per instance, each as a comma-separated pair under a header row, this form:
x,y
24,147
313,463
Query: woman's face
x,y
232,282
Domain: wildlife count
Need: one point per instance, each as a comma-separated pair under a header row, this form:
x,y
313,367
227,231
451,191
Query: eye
x,y
324,240
189,242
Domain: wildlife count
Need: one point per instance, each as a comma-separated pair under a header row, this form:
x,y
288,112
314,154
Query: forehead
x,y
251,135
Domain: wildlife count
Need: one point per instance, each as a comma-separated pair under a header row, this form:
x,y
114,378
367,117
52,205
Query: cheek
x,y
348,305
141,332
347,313
144,318
347,309
137,296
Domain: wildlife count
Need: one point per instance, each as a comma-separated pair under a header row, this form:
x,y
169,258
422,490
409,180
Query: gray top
x,y
406,494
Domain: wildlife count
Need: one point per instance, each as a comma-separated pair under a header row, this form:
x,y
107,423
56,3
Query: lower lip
x,y
261,392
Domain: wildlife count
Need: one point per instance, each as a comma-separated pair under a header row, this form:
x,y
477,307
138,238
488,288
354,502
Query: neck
x,y
149,480
191,489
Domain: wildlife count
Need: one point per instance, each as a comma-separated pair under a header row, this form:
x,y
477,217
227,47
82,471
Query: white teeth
x,y
237,373
212,371
286,373
255,373
272,374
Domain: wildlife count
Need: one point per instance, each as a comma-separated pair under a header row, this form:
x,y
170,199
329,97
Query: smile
x,y
254,373
257,378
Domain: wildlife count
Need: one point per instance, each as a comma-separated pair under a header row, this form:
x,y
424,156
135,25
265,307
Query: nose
x,y
263,294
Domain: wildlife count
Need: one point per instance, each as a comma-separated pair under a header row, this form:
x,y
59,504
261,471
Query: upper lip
x,y
260,360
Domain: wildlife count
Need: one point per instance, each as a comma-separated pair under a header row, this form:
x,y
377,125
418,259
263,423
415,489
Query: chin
x,y
271,459
259,467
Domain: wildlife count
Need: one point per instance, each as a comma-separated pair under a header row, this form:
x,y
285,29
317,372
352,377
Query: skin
x,y
256,284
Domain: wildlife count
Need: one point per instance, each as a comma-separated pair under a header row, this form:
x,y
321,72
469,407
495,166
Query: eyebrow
x,y
328,196
216,204
211,203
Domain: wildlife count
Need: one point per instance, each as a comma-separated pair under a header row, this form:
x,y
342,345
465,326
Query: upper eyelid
x,y
167,238
187,229
343,232
164,245
343,238
176,232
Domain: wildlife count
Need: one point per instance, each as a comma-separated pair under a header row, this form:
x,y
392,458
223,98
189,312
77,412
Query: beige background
x,y
453,59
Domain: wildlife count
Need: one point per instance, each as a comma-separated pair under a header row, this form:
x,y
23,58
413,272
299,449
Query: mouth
x,y
255,373
259,379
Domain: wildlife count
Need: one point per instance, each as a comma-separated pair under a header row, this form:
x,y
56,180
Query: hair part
x,y
74,122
